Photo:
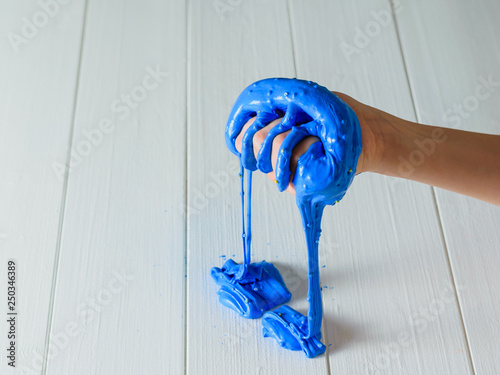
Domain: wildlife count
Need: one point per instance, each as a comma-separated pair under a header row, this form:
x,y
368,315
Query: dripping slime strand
x,y
247,250
246,234
246,259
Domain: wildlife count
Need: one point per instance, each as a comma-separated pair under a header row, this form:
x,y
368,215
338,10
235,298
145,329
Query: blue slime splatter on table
x,y
322,177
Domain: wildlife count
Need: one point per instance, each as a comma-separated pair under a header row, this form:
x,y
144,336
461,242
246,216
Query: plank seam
x,y
292,36
450,269
433,189
186,186
293,43
405,67
63,199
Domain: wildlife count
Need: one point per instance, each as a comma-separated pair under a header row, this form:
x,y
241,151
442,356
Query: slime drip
x,y
323,175
250,289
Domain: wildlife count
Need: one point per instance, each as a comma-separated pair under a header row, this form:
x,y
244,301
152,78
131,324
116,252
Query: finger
x,y
259,138
247,150
237,119
260,135
239,139
264,162
299,150
290,119
284,155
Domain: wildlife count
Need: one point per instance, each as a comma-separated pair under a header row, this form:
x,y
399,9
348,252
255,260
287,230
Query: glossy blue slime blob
x,y
261,289
323,175
289,327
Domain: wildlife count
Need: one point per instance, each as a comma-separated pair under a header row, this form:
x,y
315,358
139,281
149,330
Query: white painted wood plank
x,y
388,295
450,49
120,288
251,42
37,88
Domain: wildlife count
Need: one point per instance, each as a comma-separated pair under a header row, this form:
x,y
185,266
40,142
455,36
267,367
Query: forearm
x,y
464,162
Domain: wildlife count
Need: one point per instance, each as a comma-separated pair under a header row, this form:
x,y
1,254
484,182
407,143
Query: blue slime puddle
x,y
261,290
290,329
323,175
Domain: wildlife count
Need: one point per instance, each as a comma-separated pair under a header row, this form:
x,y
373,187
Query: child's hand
x,y
319,136
319,120
370,154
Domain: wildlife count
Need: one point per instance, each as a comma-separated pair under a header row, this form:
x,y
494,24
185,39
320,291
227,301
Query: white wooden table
x,y
113,254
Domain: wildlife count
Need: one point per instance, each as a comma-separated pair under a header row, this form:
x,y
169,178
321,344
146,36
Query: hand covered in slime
x,y
322,176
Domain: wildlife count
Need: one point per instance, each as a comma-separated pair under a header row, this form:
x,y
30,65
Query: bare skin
x,y
463,162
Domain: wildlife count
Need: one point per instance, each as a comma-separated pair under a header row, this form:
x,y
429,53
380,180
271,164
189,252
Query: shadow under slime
x,y
296,284
339,334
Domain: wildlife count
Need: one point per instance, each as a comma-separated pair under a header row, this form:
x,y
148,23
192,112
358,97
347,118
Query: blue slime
x,y
323,175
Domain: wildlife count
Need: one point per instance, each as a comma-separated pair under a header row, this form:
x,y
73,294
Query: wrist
x,y
385,138
375,134
392,137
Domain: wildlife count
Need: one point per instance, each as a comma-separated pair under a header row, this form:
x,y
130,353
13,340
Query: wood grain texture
x,y
450,49
389,299
37,87
120,288
251,42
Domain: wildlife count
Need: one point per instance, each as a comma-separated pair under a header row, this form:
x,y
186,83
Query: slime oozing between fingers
x,y
322,177
259,136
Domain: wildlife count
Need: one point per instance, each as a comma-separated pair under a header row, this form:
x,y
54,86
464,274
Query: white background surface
x,y
114,253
